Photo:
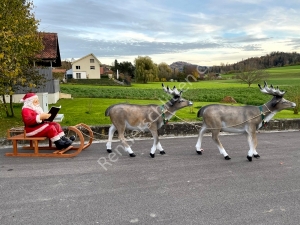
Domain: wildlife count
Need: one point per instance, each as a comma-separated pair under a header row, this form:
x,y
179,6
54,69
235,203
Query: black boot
x,y
67,140
72,138
60,144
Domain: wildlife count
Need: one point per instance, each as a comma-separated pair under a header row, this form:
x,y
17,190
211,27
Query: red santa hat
x,y
28,96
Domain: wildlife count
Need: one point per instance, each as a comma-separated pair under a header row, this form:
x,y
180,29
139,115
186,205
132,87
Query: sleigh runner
x,y
34,148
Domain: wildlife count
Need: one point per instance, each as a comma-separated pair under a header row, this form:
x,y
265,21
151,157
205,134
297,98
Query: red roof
x,y
55,70
50,42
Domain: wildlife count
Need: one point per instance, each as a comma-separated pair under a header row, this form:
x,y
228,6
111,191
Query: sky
x,y
202,32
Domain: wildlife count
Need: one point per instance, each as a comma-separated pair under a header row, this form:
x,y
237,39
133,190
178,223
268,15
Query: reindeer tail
x,y
200,112
107,110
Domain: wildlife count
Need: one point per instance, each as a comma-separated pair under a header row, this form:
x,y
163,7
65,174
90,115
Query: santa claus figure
x,y
35,126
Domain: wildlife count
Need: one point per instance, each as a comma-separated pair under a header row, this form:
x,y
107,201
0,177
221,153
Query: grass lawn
x,y
90,102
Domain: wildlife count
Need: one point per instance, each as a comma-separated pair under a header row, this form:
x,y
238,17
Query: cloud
x,y
165,29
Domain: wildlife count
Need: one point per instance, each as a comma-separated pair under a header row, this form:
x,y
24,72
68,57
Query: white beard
x,y
37,108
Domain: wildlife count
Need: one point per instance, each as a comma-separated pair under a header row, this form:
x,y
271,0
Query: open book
x,y
53,111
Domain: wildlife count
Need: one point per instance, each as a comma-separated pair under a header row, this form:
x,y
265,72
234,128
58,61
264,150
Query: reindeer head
x,y
176,97
278,102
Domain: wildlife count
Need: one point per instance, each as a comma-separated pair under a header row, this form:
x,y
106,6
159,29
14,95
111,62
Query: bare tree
x,y
251,73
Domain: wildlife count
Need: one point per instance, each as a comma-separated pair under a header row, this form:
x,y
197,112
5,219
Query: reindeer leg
x,y
252,141
111,132
255,154
199,150
215,137
160,148
121,131
155,141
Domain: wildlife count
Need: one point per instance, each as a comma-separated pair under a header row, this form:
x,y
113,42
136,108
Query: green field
x,y
89,102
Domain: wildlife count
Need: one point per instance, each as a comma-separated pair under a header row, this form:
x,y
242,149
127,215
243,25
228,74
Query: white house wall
x,y
85,68
82,75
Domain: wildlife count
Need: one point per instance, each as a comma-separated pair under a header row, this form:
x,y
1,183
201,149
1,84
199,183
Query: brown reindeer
x,y
241,119
143,118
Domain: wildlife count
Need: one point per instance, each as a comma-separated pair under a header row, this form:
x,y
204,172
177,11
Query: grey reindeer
x,y
241,119
143,118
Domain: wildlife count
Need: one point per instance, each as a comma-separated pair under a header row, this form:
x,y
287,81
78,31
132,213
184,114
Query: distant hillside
x,y
274,59
179,65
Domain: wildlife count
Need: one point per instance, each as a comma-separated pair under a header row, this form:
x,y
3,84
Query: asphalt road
x,y
180,187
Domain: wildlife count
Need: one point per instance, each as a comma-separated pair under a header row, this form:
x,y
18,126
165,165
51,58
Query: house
x,y
50,55
48,58
106,71
59,74
87,67
55,70
69,74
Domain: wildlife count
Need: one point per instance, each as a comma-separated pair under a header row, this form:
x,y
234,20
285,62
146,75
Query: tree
x,y
181,77
126,68
164,71
20,43
294,95
115,66
145,69
191,72
251,73
66,64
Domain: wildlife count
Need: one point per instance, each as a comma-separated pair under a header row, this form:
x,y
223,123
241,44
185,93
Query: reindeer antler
x,y
271,90
173,92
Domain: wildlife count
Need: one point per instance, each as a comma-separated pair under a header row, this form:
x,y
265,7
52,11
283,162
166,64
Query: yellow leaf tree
x,y
20,43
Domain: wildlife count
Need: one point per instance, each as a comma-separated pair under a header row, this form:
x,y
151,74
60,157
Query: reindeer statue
x,y
143,118
241,119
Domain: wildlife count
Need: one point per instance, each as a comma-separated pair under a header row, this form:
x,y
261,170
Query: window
x,y
92,67
92,60
78,75
77,67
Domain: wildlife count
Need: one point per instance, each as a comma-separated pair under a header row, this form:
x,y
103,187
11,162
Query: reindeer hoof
x,y
256,156
199,151
162,152
132,155
152,155
227,157
109,150
249,158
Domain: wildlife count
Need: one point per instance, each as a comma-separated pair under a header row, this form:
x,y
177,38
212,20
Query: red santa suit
x,y
34,126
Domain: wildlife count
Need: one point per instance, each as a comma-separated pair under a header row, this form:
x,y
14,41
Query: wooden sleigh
x,y
34,149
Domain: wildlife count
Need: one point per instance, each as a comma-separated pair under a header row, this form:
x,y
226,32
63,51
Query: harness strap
x,y
162,107
262,115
